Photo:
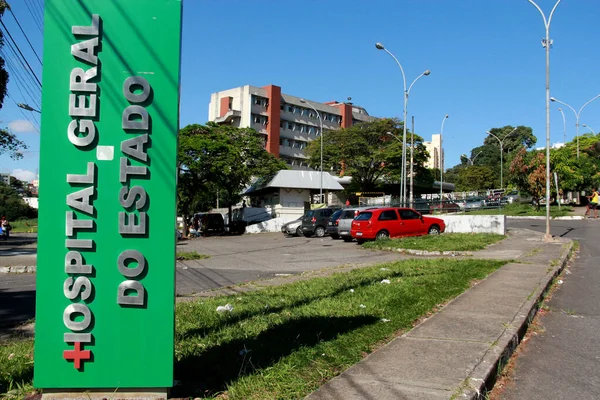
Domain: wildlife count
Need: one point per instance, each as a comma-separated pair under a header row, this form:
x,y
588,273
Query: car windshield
x,y
335,215
364,216
310,213
347,214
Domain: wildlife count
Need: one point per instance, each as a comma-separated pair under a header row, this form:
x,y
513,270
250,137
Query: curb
x,y
484,375
429,253
18,269
570,217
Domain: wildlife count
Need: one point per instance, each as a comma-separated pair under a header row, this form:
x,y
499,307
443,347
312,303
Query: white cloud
x,y
24,175
21,126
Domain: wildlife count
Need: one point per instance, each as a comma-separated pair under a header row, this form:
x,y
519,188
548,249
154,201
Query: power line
x,y
19,50
25,115
35,17
23,69
24,34
20,81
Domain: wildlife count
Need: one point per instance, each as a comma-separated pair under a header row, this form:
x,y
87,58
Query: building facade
x,y
5,178
287,122
434,148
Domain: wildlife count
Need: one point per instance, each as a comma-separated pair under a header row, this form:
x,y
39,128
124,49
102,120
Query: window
x,y
409,214
290,108
281,123
325,117
256,119
388,215
364,216
257,101
282,106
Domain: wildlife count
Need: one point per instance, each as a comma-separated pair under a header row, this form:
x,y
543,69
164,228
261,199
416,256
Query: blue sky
x,y
486,60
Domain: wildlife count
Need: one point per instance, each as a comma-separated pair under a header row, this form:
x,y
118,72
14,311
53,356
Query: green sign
x,y
106,248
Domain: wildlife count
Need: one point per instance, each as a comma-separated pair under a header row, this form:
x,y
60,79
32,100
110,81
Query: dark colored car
x,y
392,222
314,222
332,224
212,224
445,207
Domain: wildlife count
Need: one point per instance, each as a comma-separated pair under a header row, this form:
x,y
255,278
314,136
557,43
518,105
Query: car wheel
x,y
434,230
319,231
360,241
347,239
335,236
299,231
382,235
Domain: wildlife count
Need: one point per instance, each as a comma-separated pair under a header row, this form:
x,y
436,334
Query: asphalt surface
x,y
561,361
233,260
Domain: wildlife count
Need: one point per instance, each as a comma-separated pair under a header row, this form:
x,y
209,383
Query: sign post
x,y
106,247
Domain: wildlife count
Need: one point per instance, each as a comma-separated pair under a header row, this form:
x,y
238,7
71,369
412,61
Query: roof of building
x,y
294,179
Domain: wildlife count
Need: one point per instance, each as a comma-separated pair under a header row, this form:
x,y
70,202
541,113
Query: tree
x,y
368,153
218,157
8,141
12,205
476,177
528,173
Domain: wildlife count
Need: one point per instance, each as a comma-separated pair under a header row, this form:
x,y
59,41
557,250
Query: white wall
x,y
475,223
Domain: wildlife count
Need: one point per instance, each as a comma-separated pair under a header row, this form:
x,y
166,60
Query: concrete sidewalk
x,y
456,352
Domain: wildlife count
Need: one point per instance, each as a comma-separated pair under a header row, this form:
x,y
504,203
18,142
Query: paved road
x,y
562,361
233,260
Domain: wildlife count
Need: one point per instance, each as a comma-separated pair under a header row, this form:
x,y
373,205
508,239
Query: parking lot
x,y
236,259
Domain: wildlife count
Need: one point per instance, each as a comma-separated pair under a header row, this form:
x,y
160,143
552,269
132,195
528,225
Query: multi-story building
x,y
5,178
434,148
287,122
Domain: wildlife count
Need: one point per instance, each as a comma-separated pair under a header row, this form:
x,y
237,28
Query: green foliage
x,y
369,154
216,158
528,173
476,177
577,174
12,205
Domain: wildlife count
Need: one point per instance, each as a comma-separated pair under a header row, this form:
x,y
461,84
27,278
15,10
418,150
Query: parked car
x,y
422,206
392,222
445,207
293,228
314,222
474,203
332,224
345,221
211,223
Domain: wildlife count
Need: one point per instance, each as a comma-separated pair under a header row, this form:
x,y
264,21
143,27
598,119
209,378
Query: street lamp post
x,y
577,115
28,107
564,125
380,46
442,162
321,165
472,160
501,154
546,43
587,126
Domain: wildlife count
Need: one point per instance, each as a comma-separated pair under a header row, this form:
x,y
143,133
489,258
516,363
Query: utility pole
x,y
412,150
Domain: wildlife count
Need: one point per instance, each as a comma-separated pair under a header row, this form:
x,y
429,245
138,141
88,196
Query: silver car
x,y
293,228
345,221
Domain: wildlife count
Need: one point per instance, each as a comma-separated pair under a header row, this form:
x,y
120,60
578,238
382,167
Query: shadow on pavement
x,y
16,308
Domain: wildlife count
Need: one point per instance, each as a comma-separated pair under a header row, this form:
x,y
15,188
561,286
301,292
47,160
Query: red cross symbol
x,y
77,355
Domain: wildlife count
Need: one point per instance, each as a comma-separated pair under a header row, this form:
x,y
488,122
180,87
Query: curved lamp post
x,y
577,115
471,160
564,125
442,162
547,43
380,46
321,166
587,126
501,154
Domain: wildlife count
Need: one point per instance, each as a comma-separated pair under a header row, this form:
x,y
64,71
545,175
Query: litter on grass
x,y
385,281
225,308
351,290
362,306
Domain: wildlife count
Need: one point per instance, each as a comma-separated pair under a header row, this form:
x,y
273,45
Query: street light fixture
x,y
28,107
546,43
442,162
321,166
501,154
380,46
577,115
471,160
587,126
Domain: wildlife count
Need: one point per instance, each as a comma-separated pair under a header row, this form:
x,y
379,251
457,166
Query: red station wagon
x,y
392,222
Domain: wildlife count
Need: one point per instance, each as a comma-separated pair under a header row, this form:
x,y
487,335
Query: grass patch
x,y
16,372
284,342
524,210
191,255
444,242
24,226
